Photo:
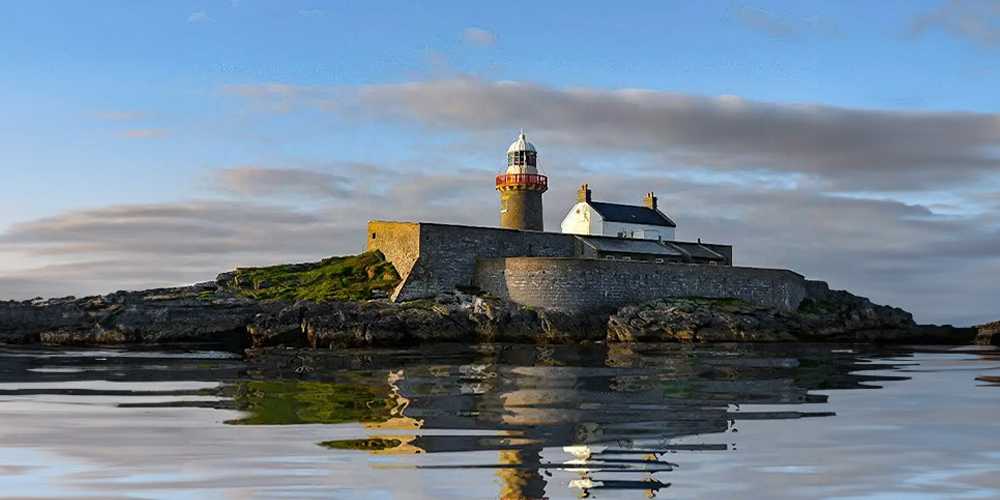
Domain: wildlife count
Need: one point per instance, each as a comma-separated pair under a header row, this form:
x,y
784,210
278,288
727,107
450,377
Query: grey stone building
x,y
570,270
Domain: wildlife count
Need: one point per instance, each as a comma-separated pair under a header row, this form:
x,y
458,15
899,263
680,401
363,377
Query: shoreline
x,y
210,312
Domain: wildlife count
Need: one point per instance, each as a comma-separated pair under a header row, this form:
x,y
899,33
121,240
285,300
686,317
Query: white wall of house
x,y
582,219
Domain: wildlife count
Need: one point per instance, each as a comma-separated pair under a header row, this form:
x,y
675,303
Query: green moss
x,y
723,304
817,307
286,402
371,444
354,277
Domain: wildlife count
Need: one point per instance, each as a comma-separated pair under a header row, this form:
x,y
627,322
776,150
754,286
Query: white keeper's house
x,y
598,218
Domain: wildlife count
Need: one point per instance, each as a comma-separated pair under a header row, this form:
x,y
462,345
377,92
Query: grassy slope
x,y
353,277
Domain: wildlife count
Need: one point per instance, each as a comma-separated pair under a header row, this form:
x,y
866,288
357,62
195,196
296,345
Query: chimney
x,y
583,195
649,201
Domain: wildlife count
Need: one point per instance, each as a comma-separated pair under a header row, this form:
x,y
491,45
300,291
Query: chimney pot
x,y
650,201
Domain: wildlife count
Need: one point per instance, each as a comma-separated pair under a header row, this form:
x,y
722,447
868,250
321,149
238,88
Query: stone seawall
x,y
576,285
436,258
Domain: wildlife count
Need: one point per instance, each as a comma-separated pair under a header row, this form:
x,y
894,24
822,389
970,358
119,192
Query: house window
x,y
373,236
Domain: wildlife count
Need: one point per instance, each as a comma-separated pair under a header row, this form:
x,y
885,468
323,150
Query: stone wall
x,y
578,285
434,258
989,334
399,242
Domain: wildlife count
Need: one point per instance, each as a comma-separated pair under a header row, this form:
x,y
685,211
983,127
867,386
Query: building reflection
x,y
604,415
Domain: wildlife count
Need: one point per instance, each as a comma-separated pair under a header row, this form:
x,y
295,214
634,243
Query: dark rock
x,y
842,316
456,317
699,320
284,327
185,314
93,336
210,312
829,316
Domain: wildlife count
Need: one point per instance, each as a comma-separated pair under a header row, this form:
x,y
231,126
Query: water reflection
x,y
610,410
535,421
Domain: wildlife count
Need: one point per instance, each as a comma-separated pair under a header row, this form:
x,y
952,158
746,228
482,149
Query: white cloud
x,y
479,36
198,17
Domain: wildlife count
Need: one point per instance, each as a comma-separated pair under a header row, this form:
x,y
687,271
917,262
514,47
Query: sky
x,y
159,143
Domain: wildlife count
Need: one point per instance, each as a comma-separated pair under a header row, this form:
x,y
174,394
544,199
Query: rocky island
x,y
613,273
343,302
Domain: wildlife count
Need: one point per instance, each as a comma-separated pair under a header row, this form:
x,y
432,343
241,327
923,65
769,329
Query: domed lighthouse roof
x,y
521,144
522,158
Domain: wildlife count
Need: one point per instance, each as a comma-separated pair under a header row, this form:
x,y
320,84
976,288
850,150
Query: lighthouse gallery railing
x,y
527,180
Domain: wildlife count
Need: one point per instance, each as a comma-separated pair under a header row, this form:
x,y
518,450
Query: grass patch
x,y
721,304
354,277
817,307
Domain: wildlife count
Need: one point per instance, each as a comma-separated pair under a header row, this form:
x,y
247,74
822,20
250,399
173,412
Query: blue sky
x,y
120,105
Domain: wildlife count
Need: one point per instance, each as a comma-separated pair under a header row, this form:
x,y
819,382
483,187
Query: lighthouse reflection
x,y
589,418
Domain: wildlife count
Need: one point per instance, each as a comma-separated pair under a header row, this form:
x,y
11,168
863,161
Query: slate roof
x,y
686,249
622,245
695,250
614,212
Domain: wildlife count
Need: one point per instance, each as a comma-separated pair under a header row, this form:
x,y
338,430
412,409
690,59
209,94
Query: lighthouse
x,y
521,188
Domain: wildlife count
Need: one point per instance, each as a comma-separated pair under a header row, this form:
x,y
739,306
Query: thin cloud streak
x,y
144,133
765,22
198,17
977,21
845,148
262,181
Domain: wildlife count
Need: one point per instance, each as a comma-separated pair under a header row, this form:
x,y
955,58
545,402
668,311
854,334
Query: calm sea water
x,y
732,421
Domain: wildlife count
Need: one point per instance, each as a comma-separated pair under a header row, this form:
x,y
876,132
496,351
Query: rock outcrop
x,y
447,318
214,312
700,320
169,315
835,317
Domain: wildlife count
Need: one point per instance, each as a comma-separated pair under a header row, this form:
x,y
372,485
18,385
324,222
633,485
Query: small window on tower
x,y
373,236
